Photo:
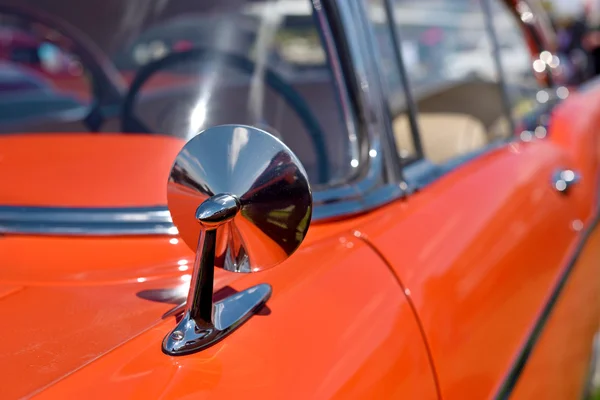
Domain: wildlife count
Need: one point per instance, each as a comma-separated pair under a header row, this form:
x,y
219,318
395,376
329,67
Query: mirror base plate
x,y
190,336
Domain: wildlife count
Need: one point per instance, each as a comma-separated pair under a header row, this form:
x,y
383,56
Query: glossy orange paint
x,y
474,267
482,249
565,346
77,302
86,170
563,353
337,325
478,251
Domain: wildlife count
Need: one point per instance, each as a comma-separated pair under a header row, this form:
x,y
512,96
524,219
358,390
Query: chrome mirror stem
x,y
199,301
204,323
211,214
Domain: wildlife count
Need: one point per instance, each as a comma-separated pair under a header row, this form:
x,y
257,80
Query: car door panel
x,y
479,251
486,252
560,363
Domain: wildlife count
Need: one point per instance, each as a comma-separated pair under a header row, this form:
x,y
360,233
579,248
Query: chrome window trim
x,y
61,221
338,81
407,95
420,172
492,32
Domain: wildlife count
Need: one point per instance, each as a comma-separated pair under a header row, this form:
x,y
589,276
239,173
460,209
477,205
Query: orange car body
x,y
405,300
484,284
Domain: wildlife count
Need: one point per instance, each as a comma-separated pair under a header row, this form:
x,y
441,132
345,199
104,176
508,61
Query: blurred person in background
x,y
570,20
591,40
571,31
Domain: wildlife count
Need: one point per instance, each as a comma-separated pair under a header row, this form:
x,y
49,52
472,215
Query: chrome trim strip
x,y
334,59
86,221
412,109
493,35
380,180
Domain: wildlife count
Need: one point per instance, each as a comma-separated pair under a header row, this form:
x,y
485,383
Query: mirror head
x,y
249,187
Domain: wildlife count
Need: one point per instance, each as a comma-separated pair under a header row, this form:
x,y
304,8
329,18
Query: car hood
x,y
71,302
85,170
67,301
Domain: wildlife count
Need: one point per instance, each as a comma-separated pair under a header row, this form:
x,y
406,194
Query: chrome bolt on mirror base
x,y
204,323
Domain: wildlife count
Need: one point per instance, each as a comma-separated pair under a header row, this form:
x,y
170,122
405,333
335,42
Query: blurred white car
x,y
475,60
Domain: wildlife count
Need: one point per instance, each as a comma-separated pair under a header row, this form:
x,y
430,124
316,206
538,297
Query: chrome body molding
x,y
86,221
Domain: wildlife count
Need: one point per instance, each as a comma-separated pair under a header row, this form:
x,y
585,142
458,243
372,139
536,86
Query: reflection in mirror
x,y
272,191
39,73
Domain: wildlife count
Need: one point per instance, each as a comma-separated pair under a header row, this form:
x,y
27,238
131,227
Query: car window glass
x,y
40,74
203,63
525,93
452,76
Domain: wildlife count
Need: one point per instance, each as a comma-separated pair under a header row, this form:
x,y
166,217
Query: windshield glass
x,y
173,68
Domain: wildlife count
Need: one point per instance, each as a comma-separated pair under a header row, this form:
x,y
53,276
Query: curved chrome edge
x,y
86,221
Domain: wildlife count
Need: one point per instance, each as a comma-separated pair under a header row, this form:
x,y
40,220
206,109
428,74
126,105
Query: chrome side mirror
x,y
240,198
